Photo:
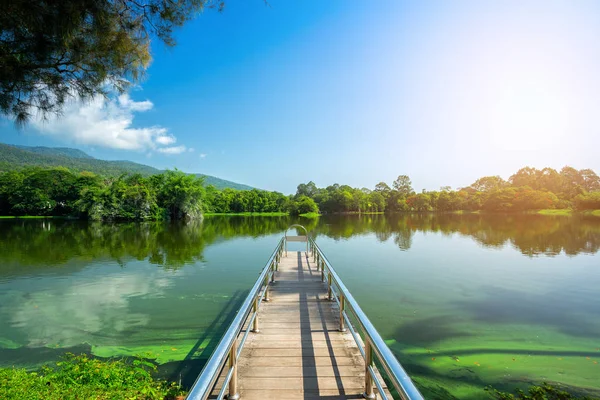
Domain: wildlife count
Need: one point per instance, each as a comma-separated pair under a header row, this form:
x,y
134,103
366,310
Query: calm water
x,y
465,301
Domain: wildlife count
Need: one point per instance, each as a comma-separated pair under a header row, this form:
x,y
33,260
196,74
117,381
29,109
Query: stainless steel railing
x,y
374,347
229,349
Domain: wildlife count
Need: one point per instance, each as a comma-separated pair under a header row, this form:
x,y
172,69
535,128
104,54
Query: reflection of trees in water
x,y
530,234
31,244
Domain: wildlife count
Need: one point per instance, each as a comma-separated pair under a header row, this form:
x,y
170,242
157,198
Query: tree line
x,y
175,195
174,245
528,189
170,195
61,192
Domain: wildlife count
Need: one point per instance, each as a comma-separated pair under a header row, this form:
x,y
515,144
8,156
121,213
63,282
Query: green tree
x,y
587,201
306,205
53,50
526,176
402,185
377,202
489,183
500,200
307,189
181,195
383,188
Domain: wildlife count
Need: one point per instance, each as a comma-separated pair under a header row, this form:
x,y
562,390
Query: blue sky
x,y
356,93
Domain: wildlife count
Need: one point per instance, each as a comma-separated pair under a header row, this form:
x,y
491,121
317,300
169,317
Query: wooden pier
x,y
300,334
299,352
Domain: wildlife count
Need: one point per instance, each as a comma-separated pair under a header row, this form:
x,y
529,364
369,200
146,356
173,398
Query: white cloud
x,y
172,150
108,123
166,140
126,102
203,155
93,307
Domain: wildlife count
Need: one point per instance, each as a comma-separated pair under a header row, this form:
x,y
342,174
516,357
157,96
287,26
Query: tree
x,y
489,183
309,189
526,176
53,50
402,184
377,201
500,200
383,188
307,205
181,195
591,181
588,201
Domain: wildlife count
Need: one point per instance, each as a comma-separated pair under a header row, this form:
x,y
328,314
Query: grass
x,y
82,377
311,215
595,213
564,212
251,214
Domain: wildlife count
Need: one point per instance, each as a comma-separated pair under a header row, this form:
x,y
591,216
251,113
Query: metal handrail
x,y
286,236
374,344
228,348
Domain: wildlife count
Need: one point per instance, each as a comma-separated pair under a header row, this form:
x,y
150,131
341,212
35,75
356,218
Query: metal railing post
x,y
342,309
267,298
369,392
273,272
255,309
233,389
329,287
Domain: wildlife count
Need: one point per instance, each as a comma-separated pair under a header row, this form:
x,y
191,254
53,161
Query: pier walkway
x,y
299,334
299,352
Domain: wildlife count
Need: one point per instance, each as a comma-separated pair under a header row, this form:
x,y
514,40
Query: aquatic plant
x,y
82,377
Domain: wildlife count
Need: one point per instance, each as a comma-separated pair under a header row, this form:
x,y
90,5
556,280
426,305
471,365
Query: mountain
x,y
56,151
14,157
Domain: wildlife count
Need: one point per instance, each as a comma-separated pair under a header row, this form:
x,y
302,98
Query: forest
x,y
528,189
61,192
173,195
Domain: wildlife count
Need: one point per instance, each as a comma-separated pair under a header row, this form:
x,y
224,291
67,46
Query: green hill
x,y
56,151
15,157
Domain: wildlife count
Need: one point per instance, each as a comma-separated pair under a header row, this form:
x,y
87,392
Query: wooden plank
x,y
298,352
301,383
299,371
335,352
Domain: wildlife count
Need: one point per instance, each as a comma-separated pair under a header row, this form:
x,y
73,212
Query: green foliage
x,y
60,192
175,195
542,392
20,157
180,195
81,377
587,201
402,185
529,189
170,195
310,215
51,51
305,205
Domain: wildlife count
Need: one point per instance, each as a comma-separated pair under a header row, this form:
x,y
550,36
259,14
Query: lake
x,y
464,301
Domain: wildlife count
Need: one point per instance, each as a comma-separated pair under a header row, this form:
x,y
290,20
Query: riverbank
x,y
250,214
549,212
89,378
569,212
